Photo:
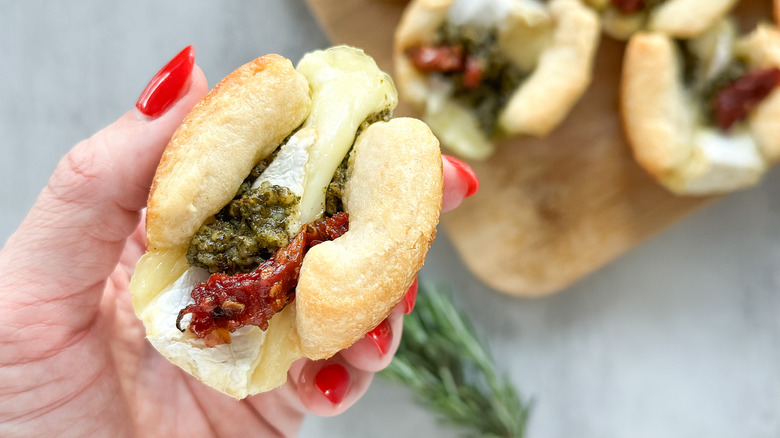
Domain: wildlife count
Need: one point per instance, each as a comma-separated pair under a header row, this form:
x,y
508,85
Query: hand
x,y
73,358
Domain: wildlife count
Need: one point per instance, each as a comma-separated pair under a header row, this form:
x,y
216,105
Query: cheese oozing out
x,y
719,163
347,87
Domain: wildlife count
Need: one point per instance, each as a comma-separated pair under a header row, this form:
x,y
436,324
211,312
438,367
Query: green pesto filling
x,y
382,116
254,225
499,78
246,232
703,89
335,190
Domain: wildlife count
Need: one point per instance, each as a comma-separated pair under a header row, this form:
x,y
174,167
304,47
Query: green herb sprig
x,y
442,361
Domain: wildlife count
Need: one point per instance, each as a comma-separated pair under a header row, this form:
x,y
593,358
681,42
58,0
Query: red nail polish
x,y
166,86
410,298
382,335
333,381
466,173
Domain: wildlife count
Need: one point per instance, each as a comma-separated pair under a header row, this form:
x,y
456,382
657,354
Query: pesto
x,y
335,190
246,232
382,116
499,76
254,225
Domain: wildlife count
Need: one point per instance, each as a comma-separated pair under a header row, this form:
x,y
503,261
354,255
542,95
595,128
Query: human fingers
x,y
375,350
134,248
91,204
331,386
460,182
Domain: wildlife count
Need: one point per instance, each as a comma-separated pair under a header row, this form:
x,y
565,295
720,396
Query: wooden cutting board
x,y
549,211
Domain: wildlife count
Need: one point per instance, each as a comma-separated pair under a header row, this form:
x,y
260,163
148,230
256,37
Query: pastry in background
x,y
481,70
677,18
703,115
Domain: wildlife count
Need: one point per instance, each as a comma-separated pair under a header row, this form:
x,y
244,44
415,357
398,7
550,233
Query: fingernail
x,y
333,381
166,86
466,173
382,335
410,298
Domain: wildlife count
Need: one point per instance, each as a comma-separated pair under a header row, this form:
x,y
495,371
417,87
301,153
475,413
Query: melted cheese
x,y
719,163
288,169
714,48
347,87
230,365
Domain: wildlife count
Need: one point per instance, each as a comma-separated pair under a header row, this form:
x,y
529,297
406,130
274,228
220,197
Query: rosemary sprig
x,y
442,361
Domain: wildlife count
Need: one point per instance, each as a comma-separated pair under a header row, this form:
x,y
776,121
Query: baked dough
x,y
677,18
346,286
663,120
555,43
219,143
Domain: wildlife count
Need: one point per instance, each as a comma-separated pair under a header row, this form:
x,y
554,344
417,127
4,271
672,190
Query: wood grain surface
x,y
549,211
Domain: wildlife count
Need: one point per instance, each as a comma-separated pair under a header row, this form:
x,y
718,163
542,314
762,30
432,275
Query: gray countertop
x,y
678,338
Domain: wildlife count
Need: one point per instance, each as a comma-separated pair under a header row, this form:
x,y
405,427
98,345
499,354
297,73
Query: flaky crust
x,y
242,120
677,18
563,73
665,133
654,108
762,50
393,196
418,26
687,18
542,101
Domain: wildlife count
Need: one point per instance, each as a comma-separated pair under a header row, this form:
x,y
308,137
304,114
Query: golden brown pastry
x,y
484,69
677,18
702,115
289,129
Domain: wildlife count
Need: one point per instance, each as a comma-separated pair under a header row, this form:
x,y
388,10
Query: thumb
x,y
74,234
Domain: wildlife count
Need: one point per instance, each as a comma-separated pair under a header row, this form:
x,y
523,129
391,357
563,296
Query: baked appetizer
x,y
703,115
482,69
677,18
287,218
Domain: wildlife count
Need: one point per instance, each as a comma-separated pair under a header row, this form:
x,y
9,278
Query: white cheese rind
x,y
288,169
719,163
231,365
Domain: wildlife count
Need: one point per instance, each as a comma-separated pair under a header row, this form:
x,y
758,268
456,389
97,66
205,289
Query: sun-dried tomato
x,y
472,74
429,59
629,6
225,303
735,101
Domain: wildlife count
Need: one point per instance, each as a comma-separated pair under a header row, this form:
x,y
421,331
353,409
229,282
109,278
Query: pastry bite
x,y
703,115
677,18
481,70
288,216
